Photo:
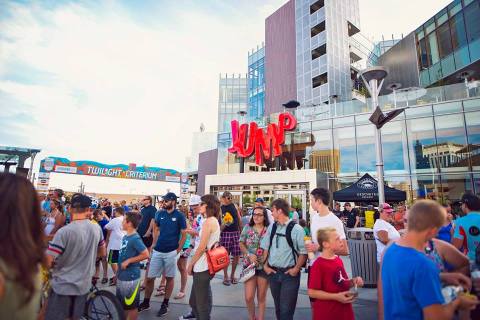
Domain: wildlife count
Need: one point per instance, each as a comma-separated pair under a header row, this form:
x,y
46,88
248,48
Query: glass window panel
x,y
421,140
450,107
467,2
422,47
435,72
448,65
471,105
454,186
444,40
424,78
416,112
450,154
442,17
473,134
322,156
455,7
322,124
457,27
475,50
433,48
362,119
476,183
462,57
343,122
394,144
426,186
472,18
429,26
344,142
420,34
366,149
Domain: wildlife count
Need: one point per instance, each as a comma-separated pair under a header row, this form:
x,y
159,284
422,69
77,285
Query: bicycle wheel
x,y
102,305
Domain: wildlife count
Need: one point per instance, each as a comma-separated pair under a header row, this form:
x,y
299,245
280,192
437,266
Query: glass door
x,y
297,199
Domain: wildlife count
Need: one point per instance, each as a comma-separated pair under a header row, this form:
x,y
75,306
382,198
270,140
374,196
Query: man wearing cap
x,y
467,228
383,230
169,236
260,203
74,249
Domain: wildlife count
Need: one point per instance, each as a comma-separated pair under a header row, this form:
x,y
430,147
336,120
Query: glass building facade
x,y
232,99
431,150
256,84
449,41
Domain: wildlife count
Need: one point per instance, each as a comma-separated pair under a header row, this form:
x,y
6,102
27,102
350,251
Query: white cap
x,y
194,200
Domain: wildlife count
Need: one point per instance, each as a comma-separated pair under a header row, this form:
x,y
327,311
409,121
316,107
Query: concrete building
x,y
201,141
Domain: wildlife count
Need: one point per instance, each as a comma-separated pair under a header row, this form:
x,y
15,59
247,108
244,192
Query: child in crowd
x,y
303,224
128,277
411,285
328,285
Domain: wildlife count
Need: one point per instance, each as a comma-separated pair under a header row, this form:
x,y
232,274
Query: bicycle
x,y
102,304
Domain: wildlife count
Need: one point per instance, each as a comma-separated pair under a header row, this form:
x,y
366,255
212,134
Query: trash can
x,y
363,255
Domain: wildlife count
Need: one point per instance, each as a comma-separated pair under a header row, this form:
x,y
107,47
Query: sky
x,y
129,81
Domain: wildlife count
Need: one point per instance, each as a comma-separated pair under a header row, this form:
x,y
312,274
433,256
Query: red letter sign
x,y
259,141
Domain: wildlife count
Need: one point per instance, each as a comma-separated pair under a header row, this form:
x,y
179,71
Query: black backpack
x,y
288,235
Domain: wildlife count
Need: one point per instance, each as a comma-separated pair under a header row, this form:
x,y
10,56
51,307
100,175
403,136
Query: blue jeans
x,y
284,290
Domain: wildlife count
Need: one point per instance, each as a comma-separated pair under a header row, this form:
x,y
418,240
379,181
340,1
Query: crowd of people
x,y
77,240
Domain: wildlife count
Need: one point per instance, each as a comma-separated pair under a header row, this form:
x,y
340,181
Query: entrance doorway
x,y
296,199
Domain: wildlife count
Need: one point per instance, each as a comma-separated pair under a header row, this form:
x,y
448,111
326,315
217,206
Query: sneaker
x,y
187,316
143,306
163,310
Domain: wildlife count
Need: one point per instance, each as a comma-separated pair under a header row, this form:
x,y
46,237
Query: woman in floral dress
x,y
250,239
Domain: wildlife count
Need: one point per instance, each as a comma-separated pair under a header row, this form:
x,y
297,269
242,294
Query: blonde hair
x,y
323,234
426,214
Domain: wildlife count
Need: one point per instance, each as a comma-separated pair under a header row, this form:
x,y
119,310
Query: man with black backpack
x,y
285,254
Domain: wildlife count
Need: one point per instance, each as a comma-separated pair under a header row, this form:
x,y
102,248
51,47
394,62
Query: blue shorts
x,y
128,292
163,263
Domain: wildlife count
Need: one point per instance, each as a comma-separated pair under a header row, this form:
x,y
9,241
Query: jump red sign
x,y
249,138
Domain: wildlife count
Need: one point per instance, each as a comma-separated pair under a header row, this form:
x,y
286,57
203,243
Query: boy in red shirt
x,y
328,284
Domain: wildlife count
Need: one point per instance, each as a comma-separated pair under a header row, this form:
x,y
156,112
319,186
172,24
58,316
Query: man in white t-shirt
x,y
323,218
114,240
383,230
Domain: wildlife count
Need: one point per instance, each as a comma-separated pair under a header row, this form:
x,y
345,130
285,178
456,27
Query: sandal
x,y
226,282
234,281
180,295
160,291
104,280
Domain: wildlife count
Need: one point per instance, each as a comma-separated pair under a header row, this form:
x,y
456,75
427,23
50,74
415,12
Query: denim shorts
x,y
163,263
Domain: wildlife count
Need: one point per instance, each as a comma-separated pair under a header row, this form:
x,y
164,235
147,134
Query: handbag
x,y
249,271
217,258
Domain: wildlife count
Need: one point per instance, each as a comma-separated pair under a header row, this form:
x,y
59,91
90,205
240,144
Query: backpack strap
x,y
288,235
272,234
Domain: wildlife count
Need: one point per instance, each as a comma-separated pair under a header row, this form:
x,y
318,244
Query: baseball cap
x,y
195,200
259,200
471,200
81,201
227,195
170,196
385,207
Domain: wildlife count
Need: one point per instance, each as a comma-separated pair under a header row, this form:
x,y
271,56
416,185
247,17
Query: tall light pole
x,y
292,105
373,78
394,87
242,114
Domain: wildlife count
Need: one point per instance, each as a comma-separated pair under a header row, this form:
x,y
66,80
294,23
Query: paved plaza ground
x,y
229,302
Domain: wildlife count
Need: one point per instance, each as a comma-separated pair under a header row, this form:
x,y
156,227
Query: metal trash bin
x,y
363,255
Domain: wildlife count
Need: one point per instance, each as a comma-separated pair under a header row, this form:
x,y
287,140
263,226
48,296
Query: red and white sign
x,y
260,142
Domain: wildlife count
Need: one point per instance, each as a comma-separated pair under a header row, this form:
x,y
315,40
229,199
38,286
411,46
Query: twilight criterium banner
x,y
92,168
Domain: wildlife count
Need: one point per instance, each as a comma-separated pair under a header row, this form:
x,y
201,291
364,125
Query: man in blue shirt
x,y
411,285
169,236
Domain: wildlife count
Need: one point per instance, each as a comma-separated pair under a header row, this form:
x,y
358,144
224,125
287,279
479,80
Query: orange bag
x,y
217,258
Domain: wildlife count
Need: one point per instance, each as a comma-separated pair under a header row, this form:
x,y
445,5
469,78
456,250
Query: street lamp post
x,y
292,105
394,87
373,78
242,114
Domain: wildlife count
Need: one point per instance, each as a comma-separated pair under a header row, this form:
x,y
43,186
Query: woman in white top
x,y
383,230
201,294
54,220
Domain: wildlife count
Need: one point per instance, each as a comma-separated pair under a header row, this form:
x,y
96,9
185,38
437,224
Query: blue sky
x,y
129,81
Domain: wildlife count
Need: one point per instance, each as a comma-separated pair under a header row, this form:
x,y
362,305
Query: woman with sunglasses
x,y
201,293
250,240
